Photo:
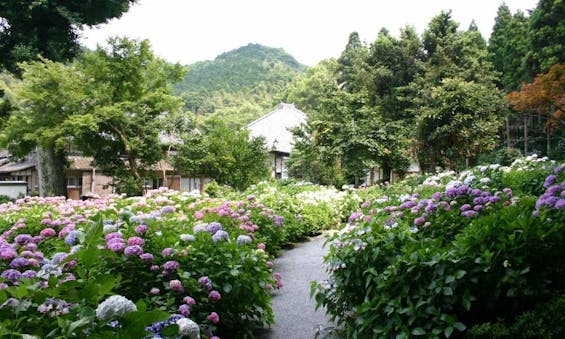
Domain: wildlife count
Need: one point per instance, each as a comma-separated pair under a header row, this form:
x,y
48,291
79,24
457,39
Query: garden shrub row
x,y
442,254
168,264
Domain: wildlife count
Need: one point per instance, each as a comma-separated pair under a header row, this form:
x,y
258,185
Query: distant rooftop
x,y
275,127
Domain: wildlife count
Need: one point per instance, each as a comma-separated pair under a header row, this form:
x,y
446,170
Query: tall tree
x,y
107,103
458,123
228,156
352,65
508,46
456,67
547,37
49,27
545,96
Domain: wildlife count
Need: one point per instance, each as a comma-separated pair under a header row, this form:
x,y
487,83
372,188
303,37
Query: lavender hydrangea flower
x,y
73,237
220,235
146,257
206,283
19,262
187,237
469,213
171,265
244,239
184,309
134,250
213,227
199,228
176,285
22,239
167,209
11,274
549,180
141,229
29,274
136,241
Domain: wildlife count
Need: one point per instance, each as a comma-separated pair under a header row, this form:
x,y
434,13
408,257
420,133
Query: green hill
x,y
240,85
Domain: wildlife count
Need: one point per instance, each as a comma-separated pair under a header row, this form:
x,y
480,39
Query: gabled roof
x,y
275,127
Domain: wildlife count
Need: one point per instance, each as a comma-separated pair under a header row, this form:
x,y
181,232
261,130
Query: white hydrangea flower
x,y
187,237
188,328
114,306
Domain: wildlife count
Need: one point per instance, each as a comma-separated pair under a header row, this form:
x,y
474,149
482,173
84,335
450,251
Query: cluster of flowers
x,y
554,196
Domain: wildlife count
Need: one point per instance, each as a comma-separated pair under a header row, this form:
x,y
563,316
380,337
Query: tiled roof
x,y
78,162
8,166
275,127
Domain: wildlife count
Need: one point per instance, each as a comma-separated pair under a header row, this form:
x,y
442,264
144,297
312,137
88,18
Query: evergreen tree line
x,y
441,98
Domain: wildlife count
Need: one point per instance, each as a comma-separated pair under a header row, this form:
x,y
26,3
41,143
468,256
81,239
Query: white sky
x,y
186,31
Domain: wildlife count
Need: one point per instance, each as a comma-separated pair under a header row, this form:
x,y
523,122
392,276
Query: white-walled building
x,y
275,128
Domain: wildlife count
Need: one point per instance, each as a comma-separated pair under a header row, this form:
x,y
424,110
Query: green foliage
x,y
409,265
546,36
458,123
49,28
504,156
508,45
238,86
227,156
107,103
545,321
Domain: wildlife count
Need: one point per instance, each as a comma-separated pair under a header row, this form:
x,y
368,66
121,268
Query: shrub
x,y
435,264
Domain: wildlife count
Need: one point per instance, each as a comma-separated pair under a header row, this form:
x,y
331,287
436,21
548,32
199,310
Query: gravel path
x,y
295,315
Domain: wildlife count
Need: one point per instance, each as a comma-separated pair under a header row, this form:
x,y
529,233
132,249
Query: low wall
x,y
13,189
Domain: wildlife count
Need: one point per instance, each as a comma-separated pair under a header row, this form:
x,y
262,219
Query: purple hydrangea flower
x,y
22,239
167,251
560,204
419,221
549,180
469,213
214,296
206,283
213,227
141,229
29,274
48,232
171,265
134,250
213,318
167,209
146,257
136,241
19,262
437,196
189,301
465,207
220,235
407,204
176,285
184,309
116,246
11,274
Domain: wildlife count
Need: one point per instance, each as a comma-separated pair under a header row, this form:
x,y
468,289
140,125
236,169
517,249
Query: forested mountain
x,y
240,85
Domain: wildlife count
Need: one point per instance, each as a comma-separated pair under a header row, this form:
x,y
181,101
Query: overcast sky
x,y
186,31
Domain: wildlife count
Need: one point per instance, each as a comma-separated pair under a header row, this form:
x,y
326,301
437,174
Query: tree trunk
x,y
548,142
525,136
508,144
51,172
372,177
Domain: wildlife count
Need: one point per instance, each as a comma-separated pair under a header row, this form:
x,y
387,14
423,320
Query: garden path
x,y
295,314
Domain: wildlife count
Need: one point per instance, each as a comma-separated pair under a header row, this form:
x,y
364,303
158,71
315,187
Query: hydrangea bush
x,y
163,265
449,252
